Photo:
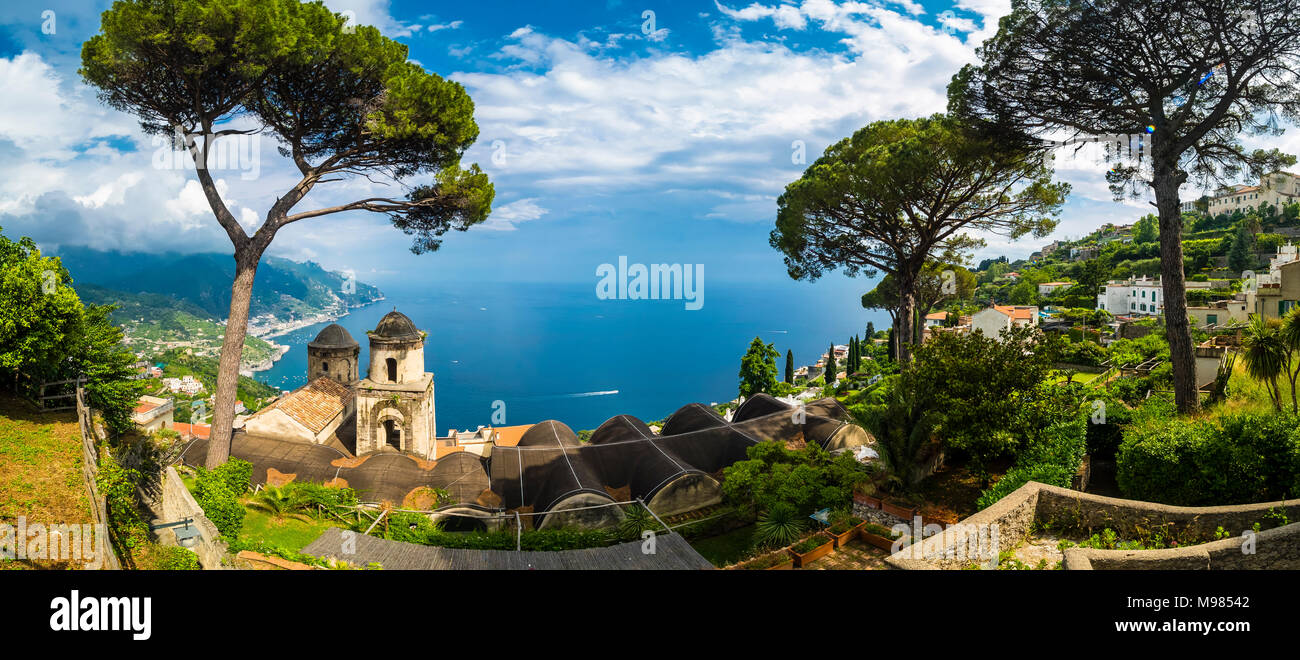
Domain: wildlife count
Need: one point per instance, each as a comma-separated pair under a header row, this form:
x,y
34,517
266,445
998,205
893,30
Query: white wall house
x,y
1142,296
1046,288
992,321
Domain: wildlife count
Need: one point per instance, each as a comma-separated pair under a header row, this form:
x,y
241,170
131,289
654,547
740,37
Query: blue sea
x,y
556,351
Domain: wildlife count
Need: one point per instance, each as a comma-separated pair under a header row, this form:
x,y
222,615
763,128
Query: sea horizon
x,y
556,351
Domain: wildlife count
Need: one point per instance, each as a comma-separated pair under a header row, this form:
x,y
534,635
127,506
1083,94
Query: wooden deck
x,y
672,552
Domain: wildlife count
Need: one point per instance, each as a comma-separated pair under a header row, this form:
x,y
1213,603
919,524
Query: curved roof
x,y
692,417
758,405
396,325
549,433
620,428
333,336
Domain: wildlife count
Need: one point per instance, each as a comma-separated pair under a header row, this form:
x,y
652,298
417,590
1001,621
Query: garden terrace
x,y
1036,506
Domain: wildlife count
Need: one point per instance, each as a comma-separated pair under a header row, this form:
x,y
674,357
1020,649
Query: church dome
x,y
333,336
396,325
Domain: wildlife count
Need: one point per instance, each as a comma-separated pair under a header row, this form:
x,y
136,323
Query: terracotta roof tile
x,y
315,404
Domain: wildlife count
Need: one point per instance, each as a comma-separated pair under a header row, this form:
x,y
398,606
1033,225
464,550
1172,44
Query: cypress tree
x,y
789,367
831,369
871,330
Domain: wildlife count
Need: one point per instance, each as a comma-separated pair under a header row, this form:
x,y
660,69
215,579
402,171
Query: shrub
x,y
1052,457
778,526
173,558
1243,458
220,504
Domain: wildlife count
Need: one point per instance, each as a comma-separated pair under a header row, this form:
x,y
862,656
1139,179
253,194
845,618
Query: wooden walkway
x,y
672,552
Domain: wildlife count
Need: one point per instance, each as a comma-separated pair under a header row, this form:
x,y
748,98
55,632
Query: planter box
x,y
783,566
867,500
881,542
902,511
813,555
843,538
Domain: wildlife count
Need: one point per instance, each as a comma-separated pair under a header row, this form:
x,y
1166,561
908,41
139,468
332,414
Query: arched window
x,y
392,370
325,367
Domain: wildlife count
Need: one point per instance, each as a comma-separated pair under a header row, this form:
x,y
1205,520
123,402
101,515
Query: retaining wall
x,y
178,504
1015,515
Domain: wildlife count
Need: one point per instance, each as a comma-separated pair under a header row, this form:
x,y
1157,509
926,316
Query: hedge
x,y
1239,459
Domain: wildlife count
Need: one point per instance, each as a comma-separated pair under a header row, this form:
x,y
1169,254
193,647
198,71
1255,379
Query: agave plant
x,y
637,519
779,525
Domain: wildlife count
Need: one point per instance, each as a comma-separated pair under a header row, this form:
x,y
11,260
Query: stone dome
x,y
333,336
396,326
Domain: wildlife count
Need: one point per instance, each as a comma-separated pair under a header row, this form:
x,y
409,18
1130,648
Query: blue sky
x,y
605,133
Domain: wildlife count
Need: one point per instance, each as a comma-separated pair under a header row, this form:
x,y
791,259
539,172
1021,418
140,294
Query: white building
x,y
993,321
1141,296
1047,288
1277,188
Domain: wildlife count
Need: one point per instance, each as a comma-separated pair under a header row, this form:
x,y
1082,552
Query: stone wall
x,y
1016,514
177,504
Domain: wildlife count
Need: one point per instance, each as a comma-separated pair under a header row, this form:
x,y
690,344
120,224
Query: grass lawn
x,y
726,549
1058,377
288,533
40,466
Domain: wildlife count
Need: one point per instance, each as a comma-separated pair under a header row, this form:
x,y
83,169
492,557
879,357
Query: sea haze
x,y
556,351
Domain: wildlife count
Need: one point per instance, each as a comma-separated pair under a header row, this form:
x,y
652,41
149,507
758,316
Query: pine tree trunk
x,y
903,324
1178,332
232,351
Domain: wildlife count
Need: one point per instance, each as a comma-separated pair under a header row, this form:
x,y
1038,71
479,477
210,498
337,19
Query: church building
x,y
391,408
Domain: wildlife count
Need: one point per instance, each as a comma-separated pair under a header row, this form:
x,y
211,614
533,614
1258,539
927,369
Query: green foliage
x,y
1240,257
1242,458
977,383
416,528
118,486
1083,352
1051,456
807,479
217,491
173,558
779,526
903,426
47,333
758,368
1147,229
809,544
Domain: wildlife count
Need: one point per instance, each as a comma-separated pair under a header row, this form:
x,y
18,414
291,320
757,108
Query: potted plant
x,y
773,561
843,528
879,536
811,549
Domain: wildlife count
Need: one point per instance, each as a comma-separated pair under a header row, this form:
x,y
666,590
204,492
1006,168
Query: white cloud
x,y
506,218
454,25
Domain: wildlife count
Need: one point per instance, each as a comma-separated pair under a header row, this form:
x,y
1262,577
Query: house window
x,y
1132,305
1284,306
392,369
1211,319
325,366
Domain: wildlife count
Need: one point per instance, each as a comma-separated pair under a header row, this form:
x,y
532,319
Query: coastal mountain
x,y
199,284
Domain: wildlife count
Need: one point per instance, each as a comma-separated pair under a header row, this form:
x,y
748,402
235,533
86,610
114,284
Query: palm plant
x,y
1266,355
1289,334
902,428
277,501
779,525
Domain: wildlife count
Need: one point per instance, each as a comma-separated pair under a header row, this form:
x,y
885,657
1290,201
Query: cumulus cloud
x,y
507,217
